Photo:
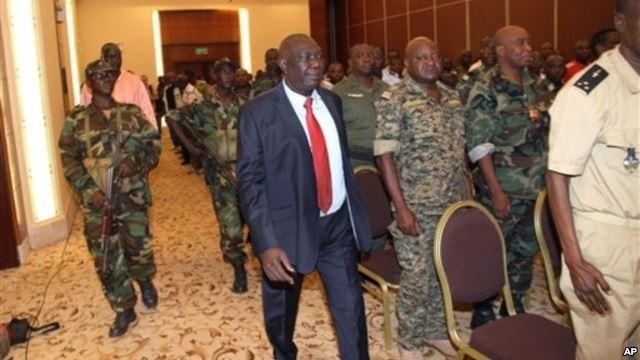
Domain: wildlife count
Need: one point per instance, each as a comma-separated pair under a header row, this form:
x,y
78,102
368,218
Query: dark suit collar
x,y
288,114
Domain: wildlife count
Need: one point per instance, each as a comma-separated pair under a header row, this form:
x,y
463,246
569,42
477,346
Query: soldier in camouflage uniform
x,y
506,133
102,134
271,75
488,57
215,122
419,147
548,86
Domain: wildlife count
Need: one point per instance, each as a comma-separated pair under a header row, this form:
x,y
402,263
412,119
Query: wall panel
x,y
397,33
406,19
396,7
421,24
537,17
578,23
375,32
374,10
451,36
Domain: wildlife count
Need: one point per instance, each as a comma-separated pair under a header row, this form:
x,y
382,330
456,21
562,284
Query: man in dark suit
x,y
299,197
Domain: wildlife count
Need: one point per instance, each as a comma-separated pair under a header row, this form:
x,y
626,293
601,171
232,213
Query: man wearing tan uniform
x,y
594,192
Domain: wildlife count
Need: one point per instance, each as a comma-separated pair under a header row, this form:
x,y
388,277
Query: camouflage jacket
x,y
511,123
264,83
215,124
466,82
139,143
427,141
547,91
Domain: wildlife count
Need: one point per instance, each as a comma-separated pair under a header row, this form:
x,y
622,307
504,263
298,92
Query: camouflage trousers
x,y
419,302
520,242
227,208
129,255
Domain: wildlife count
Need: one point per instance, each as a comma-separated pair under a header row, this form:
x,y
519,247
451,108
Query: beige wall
x,y
129,22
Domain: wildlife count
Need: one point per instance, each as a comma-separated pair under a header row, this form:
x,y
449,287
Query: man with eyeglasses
x,y
128,87
102,135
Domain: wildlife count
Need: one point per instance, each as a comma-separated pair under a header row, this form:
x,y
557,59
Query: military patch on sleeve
x,y
386,95
590,79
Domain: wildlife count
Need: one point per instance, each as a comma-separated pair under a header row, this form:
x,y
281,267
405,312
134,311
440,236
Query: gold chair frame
x,y
464,349
552,279
381,291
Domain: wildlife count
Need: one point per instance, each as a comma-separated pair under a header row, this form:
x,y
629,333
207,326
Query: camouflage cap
x,y
225,61
98,66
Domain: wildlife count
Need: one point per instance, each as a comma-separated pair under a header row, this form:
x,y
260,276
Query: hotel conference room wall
x,y
460,24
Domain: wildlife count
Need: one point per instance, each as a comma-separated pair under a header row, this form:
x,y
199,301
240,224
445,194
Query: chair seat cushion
x,y
385,264
524,336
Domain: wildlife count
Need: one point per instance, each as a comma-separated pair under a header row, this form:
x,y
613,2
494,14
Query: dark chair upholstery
x,y
470,261
550,249
381,268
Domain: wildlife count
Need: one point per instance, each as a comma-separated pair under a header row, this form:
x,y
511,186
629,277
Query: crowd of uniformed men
x,y
438,132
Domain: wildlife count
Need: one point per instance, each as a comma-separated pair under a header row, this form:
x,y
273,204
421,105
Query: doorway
x,y
194,39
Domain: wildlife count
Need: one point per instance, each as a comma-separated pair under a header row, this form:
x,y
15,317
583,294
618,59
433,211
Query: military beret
x,y
225,61
98,66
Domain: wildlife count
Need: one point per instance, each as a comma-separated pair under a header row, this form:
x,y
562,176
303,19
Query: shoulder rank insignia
x,y
386,95
590,79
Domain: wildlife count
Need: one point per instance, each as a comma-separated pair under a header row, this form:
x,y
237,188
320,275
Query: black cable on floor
x,y
44,295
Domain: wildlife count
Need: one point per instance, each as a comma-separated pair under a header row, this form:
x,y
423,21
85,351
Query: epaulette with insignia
x,y
386,95
591,78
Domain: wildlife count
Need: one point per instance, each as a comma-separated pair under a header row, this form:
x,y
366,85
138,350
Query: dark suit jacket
x,y
276,181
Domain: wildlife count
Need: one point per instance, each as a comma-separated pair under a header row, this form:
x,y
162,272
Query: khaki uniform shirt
x,y
359,115
594,119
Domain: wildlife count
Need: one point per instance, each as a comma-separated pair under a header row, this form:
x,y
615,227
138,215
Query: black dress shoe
x,y
482,314
240,279
121,323
149,293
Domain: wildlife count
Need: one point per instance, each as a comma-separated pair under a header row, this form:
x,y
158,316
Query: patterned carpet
x,y
198,317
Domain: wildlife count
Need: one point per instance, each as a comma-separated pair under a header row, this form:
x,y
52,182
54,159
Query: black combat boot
x,y
482,314
121,323
149,293
240,279
517,304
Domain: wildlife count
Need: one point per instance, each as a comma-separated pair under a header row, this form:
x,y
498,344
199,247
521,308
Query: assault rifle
x,y
210,153
108,212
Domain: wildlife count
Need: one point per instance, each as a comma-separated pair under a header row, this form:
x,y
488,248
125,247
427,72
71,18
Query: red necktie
x,y
320,160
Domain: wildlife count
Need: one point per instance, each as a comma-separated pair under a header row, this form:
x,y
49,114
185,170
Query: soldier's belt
x,y
501,159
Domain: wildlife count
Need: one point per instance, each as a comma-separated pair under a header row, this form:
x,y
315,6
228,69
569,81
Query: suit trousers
x,y
337,265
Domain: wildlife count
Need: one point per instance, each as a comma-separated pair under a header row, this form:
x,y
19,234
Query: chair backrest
x,y
375,198
546,233
469,254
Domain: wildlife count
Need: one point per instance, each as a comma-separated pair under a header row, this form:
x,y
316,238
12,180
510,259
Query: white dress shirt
x,y
330,132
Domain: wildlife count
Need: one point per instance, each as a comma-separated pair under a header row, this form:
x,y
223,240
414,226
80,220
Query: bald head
x,y
302,62
416,43
289,43
512,47
506,34
422,58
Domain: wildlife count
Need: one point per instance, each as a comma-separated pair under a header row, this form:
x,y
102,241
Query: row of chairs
x,y
465,230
